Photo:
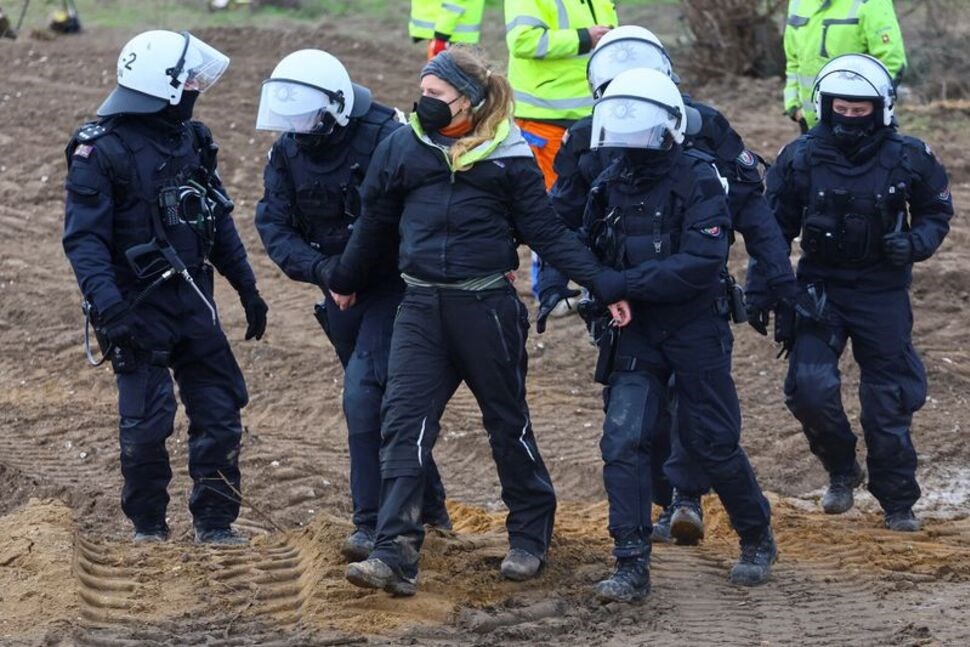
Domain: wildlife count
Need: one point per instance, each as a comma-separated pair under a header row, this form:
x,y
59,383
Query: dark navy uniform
x,y
717,143
667,227
118,170
842,208
305,219
460,320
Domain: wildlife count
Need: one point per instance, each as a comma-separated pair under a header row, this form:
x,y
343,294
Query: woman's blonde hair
x,y
498,104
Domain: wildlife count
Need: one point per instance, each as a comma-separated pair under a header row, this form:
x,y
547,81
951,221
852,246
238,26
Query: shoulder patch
x,y
748,159
714,231
90,132
944,195
83,150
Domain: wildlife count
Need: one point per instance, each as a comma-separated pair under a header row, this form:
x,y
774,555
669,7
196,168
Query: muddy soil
x,y
68,575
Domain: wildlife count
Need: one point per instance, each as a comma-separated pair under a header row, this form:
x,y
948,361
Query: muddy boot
x,y
687,520
439,520
358,545
151,534
903,521
219,537
375,574
838,498
754,566
629,582
661,527
520,565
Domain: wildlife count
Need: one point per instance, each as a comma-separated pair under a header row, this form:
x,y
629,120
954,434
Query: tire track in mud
x,y
243,595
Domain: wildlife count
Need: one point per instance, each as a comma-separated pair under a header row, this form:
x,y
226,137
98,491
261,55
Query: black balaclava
x,y
324,135
648,163
182,111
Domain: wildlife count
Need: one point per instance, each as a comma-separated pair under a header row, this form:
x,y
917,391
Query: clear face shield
x,y
632,122
608,62
292,106
199,66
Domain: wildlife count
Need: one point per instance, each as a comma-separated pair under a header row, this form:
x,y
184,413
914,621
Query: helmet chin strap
x,y
176,72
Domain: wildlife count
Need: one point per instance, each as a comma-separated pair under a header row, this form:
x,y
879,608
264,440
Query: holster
x,y
605,361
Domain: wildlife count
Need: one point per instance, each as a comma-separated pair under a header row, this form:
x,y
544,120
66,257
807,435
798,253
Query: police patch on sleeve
x,y
83,150
713,232
747,158
944,195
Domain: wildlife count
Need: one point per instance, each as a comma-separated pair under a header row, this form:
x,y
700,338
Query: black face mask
x,y
183,111
648,163
433,114
327,132
850,132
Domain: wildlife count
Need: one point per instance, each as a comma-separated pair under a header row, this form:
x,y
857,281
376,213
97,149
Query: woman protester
x,y
461,188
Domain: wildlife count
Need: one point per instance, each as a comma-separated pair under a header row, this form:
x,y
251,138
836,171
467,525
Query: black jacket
x,y
460,225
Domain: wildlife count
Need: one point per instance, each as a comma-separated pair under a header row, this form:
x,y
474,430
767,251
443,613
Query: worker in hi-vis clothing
x,y
442,23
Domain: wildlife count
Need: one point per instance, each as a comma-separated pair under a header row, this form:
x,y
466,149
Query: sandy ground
x,y
68,575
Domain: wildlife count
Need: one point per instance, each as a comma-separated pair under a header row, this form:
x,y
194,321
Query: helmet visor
x,y
631,122
290,106
622,55
205,64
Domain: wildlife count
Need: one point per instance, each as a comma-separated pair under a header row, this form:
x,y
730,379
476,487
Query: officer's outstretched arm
x,y
527,37
88,227
930,202
382,203
276,225
696,266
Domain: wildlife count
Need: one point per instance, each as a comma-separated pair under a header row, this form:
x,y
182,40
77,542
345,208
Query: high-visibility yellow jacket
x,y
819,30
549,46
459,20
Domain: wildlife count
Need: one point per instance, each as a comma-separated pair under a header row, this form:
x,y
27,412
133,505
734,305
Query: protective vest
x,y
325,181
819,30
459,20
158,183
548,58
851,207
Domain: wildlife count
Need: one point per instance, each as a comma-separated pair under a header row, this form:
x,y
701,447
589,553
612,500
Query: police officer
x,y
867,203
461,187
819,30
330,129
661,218
146,214
709,137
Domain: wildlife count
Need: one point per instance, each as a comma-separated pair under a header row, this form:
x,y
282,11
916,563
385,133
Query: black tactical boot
x,y
629,582
903,521
438,519
754,566
375,574
151,534
838,498
661,527
687,521
358,545
219,536
520,565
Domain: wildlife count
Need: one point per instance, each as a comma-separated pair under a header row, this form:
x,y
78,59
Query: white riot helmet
x,y
641,108
625,48
855,77
307,89
155,67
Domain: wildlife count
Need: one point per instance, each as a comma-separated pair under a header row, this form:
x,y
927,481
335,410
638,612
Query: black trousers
x,y
441,338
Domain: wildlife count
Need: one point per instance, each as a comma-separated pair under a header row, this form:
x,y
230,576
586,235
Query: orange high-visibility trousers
x,y
544,140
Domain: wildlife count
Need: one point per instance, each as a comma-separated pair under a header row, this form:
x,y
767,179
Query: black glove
x,y
118,325
322,269
256,310
548,301
758,317
898,247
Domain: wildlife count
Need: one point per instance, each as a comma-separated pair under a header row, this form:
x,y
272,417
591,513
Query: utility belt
x,y
124,359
